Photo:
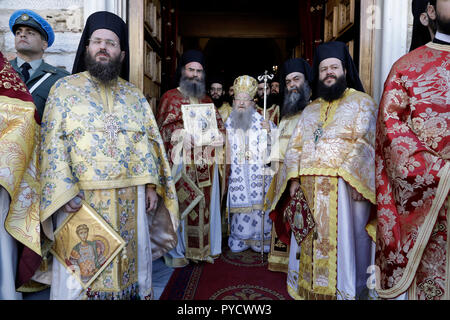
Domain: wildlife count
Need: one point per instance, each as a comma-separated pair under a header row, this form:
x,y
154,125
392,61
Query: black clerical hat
x,y
192,56
339,50
103,20
297,65
420,34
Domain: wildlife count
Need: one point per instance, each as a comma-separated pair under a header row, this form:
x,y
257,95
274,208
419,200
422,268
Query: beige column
x,y
386,27
391,39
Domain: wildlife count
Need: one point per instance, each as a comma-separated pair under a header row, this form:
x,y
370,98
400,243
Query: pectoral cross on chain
x,y
111,127
318,133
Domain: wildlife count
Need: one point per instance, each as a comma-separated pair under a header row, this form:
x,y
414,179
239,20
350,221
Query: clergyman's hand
x,y
75,204
151,198
295,185
265,125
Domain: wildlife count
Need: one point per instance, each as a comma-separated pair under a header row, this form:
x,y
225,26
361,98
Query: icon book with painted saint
x,y
86,244
200,122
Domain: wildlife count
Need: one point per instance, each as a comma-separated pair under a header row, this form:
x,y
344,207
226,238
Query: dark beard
x,y
228,99
242,120
270,100
104,72
295,102
218,102
334,92
443,26
260,101
192,87
273,98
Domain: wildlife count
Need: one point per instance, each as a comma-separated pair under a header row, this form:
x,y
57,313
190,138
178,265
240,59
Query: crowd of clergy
x,y
349,197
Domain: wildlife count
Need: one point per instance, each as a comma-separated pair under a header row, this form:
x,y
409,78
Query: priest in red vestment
x,y
413,172
197,182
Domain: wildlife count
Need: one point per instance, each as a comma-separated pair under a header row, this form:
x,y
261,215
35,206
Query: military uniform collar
x,y
35,64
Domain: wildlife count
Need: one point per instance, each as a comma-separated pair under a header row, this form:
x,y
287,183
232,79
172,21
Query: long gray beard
x,y
192,87
295,102
242,120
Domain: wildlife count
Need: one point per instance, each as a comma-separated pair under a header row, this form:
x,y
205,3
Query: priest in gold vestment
x,y
296,76
19,181
100,142
217,94
331,157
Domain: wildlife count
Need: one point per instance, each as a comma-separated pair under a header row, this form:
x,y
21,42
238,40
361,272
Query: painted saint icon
x,y
88,255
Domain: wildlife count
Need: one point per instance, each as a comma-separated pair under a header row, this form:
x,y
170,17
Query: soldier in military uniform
x,y
33,35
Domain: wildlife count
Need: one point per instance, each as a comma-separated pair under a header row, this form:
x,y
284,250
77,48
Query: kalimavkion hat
x,y
109,21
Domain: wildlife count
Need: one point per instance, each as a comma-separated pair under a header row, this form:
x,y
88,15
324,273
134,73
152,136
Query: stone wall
x,y
66,18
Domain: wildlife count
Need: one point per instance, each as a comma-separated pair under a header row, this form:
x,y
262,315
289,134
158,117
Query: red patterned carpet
x,y
232,276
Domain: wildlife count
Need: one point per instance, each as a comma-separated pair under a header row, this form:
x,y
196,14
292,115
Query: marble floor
x,y
161,275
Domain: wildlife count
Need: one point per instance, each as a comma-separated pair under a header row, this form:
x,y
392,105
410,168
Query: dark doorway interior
x,y
240,36
245,36
235,57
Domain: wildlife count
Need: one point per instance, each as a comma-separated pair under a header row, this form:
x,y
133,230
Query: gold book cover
x,y
86,244
201,123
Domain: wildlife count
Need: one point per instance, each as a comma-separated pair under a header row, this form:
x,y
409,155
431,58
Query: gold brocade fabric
x,y
318,256
19,136
119,209
343,148
95,138
278,259
281,140
225,111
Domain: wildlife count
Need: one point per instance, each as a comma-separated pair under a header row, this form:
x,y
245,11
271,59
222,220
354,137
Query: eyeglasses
x,y
243,100
109,43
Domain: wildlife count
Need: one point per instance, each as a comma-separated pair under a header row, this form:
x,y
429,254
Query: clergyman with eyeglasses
x,y
217,94
100,143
